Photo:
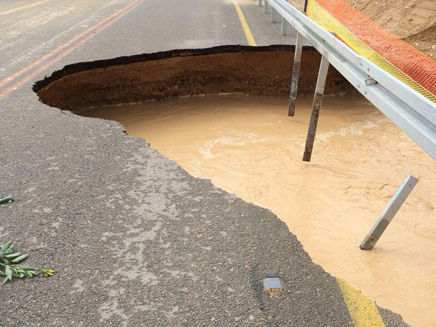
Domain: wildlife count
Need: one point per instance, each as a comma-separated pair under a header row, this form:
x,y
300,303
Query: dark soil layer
x,y
250,70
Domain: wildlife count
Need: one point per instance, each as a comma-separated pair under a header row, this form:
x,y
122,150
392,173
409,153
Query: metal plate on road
x,y
272,285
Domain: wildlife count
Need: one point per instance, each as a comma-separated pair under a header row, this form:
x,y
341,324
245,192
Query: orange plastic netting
x,y
377,44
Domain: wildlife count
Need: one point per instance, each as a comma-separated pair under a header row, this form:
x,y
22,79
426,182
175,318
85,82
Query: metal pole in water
x,y
265,7
389,213
295,74
320,86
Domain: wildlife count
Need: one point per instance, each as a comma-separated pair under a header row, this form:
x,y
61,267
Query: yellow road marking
x,y
248,35
23,7
363,311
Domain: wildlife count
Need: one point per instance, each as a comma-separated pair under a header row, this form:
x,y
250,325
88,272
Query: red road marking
x,y
66,44
11,89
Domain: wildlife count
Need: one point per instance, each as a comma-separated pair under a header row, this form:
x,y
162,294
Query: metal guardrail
x,y
408,109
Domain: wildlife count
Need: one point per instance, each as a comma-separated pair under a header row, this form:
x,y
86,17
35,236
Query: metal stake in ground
x,y
319,92
295,74
388,214
265,7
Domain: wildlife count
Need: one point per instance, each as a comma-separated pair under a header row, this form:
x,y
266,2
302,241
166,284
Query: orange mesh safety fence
x,y
377,44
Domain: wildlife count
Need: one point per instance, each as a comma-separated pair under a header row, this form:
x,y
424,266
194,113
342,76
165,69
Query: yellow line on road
x,y
363,311
248,35
23,7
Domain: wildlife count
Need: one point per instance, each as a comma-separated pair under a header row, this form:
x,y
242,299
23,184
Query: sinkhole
x,y
222,115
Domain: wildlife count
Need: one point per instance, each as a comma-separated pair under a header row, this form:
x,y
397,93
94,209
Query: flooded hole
x,y
247,145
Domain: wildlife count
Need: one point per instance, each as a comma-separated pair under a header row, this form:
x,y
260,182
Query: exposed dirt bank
x,y
414,21
248,70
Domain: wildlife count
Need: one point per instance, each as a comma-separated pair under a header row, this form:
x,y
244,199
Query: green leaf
x,y
5,246
8,273
6,262
10,260
9,249
20,258
31,273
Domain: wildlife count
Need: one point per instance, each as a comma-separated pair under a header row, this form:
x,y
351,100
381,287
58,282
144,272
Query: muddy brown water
x,y
248,146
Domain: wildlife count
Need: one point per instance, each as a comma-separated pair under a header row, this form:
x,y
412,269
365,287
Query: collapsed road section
x,y
175,249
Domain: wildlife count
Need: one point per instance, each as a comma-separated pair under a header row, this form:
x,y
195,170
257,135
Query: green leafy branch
x,y
10,267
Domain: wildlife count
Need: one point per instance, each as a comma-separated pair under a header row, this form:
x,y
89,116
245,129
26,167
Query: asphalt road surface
x,y
134,239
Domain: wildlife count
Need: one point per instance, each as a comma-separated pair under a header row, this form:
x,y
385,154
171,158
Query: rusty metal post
x,y
388,214
295,74
265,7
319,92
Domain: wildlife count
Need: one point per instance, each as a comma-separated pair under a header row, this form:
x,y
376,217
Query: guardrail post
x,y
320,86
265,7
389,213
284,27
273,15
295,74
409,110
260,3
